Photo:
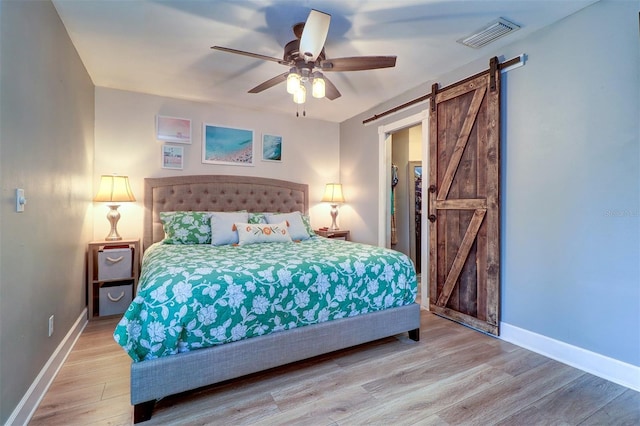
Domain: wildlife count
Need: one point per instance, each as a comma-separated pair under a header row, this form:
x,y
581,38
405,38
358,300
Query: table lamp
x,y
114,190
333,195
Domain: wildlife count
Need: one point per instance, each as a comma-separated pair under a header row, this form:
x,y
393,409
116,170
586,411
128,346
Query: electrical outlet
x,y
50,325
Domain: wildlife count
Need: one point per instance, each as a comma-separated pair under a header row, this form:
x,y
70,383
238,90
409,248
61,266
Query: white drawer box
x,y
115,299
114,264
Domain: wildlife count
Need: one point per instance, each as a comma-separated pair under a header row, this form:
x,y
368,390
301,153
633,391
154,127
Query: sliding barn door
x,y
464,232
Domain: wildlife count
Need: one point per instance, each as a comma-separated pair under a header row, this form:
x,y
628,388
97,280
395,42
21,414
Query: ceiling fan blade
x,y
252,55
270,83
358,63
314,35
330,91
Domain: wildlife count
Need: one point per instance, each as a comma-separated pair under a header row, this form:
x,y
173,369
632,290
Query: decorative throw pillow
x,y
257,218
252,233
223,230
297,229
307,224
186,227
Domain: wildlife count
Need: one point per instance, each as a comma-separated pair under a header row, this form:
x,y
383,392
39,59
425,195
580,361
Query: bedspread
x,y
195,296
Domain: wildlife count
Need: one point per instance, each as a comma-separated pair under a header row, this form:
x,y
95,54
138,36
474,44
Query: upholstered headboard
x,y
217,193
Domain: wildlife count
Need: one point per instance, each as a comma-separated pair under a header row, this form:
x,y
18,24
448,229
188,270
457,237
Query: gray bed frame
x,y
158,378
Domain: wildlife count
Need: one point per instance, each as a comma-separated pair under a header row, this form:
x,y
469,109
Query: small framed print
x,y
172,157
227,145
271,148
173,129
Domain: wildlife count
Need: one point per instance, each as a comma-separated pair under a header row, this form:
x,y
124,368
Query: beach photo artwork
x,y
173,129
271,148
225,145
172,157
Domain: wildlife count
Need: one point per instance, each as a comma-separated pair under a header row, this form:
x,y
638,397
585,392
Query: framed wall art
x,y
173,129
227,145
172,157
271,148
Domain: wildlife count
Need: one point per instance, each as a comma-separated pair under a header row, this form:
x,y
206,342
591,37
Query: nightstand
x,y
112,276
339,234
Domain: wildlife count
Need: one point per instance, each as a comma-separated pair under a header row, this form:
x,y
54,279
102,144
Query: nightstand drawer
x,y
114,264
115,299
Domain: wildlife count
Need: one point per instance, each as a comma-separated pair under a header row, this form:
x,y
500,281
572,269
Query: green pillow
x,y
307,224
257,218
186,227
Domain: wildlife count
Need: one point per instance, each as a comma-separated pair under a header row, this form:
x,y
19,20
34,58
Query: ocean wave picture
x,y
227,145
271,148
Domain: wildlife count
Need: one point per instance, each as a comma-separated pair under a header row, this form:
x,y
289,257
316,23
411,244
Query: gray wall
x,y
570,179
46,147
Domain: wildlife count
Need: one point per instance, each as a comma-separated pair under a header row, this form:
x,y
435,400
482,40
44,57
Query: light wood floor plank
x,y
510,396
581,398
622,411
453,376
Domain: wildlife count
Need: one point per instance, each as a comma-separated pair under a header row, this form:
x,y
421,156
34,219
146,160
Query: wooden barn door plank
x,y
461,257
461,143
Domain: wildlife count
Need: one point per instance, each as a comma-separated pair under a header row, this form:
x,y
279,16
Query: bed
x,y
195,350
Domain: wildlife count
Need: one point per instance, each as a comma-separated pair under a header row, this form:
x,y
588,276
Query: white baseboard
x,y
30,401
619,372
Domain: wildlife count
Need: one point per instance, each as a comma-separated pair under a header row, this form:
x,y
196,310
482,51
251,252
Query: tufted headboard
x,y
217,193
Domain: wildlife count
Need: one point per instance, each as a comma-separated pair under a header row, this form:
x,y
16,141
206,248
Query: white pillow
x,y
297,229
251,233
223,229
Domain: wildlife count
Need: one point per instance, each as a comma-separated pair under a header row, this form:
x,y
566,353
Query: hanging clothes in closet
x,y
394,182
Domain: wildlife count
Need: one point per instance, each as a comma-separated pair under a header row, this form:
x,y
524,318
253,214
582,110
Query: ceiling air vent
x,y
489,33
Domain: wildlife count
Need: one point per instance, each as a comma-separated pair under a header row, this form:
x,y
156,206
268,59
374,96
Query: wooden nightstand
x,y
112,276
339,234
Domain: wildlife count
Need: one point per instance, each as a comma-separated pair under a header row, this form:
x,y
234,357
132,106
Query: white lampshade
x,y
333,193
318,86
114,189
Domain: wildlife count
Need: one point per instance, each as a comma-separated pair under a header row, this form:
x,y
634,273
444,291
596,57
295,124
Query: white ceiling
x,y
162,47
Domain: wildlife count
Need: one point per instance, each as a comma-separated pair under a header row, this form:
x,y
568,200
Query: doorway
x,y
386,135
406,153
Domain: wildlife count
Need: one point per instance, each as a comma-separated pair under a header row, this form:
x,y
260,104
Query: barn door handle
x,y
431,216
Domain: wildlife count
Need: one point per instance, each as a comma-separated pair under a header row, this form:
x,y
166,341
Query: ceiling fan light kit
x,y
305,54
296,80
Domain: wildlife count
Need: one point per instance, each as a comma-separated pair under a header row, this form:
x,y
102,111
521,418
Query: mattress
x,y
196,296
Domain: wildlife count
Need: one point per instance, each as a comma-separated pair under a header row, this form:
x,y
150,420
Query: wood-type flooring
x,y
453,376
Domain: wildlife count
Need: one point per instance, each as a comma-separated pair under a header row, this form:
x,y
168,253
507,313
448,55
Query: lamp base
x,y
334,216
113,217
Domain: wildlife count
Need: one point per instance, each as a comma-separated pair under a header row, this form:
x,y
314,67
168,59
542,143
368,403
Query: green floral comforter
x,y
195,296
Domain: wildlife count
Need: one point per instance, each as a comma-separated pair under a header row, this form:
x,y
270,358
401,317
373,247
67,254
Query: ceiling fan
x,y
306,58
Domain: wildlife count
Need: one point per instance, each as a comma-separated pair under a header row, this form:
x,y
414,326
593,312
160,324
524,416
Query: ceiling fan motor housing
x,y
292,53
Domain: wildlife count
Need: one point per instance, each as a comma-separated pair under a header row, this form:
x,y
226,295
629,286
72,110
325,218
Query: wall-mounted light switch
x,y
20,200
51,326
